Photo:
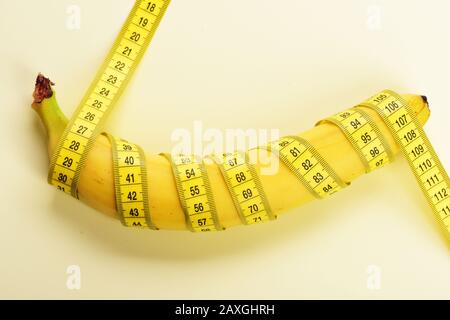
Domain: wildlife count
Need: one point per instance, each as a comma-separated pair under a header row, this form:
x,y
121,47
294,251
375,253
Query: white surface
x,y
287,67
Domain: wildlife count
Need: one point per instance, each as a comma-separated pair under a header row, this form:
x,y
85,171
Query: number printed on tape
x,y
426,166
365,137
195,193
106,88
130,181
245,188
306,163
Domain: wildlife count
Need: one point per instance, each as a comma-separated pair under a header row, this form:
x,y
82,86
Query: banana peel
x,y
283,190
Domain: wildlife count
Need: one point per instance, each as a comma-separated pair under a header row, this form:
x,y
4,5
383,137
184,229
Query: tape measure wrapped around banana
x,y
183,192
315,164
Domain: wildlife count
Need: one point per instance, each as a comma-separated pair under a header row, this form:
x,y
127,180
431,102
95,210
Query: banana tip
x,y
42,89
425,100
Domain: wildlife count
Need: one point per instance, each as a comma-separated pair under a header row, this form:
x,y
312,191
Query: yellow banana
x,y
283,189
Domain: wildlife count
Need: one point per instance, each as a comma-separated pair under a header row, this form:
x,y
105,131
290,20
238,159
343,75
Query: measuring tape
x,y
191,177
245,188
105,90
365,137
307,165
194,192
425,164
130,183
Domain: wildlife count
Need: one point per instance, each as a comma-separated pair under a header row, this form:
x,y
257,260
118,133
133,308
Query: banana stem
x,y
47,107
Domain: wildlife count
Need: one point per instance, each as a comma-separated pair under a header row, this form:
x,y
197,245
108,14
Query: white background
x,y
231,64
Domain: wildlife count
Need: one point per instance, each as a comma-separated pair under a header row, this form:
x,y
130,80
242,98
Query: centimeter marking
x,y
365,136
194,193
307,165
106,88
245,188
130,181
422,158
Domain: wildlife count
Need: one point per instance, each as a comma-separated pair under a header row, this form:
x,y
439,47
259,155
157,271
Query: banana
x,y
283,190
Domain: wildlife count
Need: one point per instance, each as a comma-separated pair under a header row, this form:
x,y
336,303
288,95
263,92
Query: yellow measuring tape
x,y
242,180
308,166
365,136
245,188
110,81
130,183
195,193
425,164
